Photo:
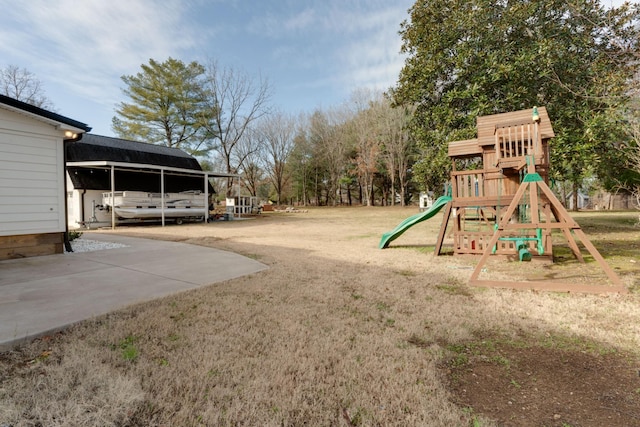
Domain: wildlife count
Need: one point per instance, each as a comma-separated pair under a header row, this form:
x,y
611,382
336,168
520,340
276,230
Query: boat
x,y
143,205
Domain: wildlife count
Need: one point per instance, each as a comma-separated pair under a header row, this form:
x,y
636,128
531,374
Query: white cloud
x,y
370,57
355,42
283,24
315,49
300,21
86,45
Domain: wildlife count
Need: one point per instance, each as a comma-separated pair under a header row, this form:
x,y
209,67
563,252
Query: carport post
x,y
206,197
239,210
162,194
113,197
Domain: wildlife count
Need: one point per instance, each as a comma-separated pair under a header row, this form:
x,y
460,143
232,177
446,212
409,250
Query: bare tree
x,y
249,155
278,132
366,111
327,136
23,85
397,144
236,102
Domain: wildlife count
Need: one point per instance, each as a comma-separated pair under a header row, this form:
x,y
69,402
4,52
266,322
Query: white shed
x,y
32,178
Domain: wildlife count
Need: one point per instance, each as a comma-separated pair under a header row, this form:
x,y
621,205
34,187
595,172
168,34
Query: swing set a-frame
x,y
507,208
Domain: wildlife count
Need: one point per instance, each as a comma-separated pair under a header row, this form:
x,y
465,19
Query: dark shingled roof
x,y
42,112
104,148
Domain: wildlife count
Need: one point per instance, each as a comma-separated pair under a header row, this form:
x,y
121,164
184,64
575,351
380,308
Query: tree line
x,y
358,152
464,58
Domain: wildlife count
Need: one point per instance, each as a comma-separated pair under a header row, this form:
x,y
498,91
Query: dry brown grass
x,y
336,332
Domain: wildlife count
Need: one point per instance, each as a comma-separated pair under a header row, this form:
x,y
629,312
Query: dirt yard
x,y
338,332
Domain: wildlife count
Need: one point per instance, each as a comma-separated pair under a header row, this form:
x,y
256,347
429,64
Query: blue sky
x,y
314,53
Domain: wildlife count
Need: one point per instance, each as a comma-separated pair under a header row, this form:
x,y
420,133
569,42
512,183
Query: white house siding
x,y
31,176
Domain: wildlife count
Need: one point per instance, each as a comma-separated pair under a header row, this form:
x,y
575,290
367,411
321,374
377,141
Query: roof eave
x,y
60,122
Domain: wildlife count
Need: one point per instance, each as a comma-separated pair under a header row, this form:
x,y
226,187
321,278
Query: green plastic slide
x,y
390,236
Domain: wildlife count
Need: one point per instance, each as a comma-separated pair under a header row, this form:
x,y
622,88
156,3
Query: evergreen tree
x,y
166,106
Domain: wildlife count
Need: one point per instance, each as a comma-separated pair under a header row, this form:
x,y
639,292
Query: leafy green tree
x,y
166,105
476,57
631,151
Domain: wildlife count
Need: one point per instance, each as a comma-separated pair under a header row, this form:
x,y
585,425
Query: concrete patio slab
x,y
40,295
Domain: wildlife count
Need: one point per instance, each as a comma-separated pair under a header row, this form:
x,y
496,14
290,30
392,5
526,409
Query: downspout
x,y
84,191
67,242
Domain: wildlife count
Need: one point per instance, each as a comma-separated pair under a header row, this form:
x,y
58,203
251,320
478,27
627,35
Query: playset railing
x,y
515,141
468,184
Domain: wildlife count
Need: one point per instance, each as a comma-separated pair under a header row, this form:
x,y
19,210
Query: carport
x,y
110,168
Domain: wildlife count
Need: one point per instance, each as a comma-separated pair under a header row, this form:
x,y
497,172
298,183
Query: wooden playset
x,y
505,207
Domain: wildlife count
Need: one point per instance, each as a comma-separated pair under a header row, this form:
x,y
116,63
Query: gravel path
x,y
87,245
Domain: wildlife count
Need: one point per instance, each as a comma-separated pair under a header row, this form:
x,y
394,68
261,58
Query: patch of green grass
x,y
406,273
574,343
606,221
74,234
382,306
453,287
130,353
474,421
501,360
128,349
461,355
429,249
459,360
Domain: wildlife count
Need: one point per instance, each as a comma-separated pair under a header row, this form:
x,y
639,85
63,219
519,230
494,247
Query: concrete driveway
x,y
40,295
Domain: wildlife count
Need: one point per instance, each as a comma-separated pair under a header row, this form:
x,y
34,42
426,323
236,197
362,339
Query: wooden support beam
x,y
565,223
533,203
485,257
443,228
594,252
551,286
504,221
573,245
